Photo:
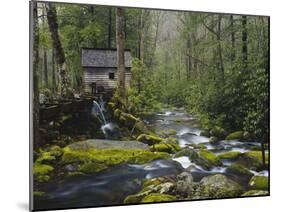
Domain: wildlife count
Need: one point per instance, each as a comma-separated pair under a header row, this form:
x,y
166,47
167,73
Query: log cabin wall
x,y
100,67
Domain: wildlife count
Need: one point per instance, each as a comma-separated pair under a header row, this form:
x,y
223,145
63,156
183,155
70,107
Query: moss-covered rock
x,y
255,193
156,197
166,147
238,135
218,186
207,159
259,183
186,152
229,155
149,139
239,170
253,160
93,160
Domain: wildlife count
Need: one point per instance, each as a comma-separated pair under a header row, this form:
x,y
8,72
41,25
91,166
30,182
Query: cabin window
x,y
111,76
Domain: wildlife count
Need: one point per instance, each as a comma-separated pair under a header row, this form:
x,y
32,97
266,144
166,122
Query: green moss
x,y
238,135
41,169
155,197
218,132
229,155
257,155
207,159
219,186
89,168
38,194
186,152
166,147
239,170
41,172
131,199
46,158
255,193
259,183
149,139
205,133
98,159
151,182
55,151
74,174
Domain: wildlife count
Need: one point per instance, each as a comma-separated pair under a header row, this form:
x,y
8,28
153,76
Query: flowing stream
x,y
110,187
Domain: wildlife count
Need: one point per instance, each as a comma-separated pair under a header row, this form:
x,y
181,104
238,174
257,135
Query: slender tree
x,y
120,42
58,50
244,41
35,60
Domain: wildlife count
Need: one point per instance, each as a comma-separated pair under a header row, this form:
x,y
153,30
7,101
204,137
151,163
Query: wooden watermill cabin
x,y
100,69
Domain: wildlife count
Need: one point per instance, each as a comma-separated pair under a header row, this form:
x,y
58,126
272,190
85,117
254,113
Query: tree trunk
x,y
232,57
45,67
141,35
120,42
54,85
244,42
220,48
109,27
58,50
35,60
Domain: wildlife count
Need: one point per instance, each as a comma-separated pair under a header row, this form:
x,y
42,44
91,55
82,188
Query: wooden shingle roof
x,y
106,58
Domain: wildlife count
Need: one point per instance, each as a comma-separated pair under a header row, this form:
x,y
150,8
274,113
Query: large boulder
x,y
218,186
92,158
184,185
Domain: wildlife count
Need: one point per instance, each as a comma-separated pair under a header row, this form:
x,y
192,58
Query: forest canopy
x,y
216,66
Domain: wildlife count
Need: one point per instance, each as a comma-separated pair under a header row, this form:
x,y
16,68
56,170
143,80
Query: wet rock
x,y
165,147
213,140
206,159
184,184
149,139
238,135
253,160
259,183
218,186
240,172
255,193
229,155
156,197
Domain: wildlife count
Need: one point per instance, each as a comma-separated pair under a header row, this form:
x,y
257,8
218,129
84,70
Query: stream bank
x,y
170,160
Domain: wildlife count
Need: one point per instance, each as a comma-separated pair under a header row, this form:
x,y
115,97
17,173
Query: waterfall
x,y
98,111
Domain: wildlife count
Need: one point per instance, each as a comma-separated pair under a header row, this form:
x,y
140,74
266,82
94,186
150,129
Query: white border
x,y
14,88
